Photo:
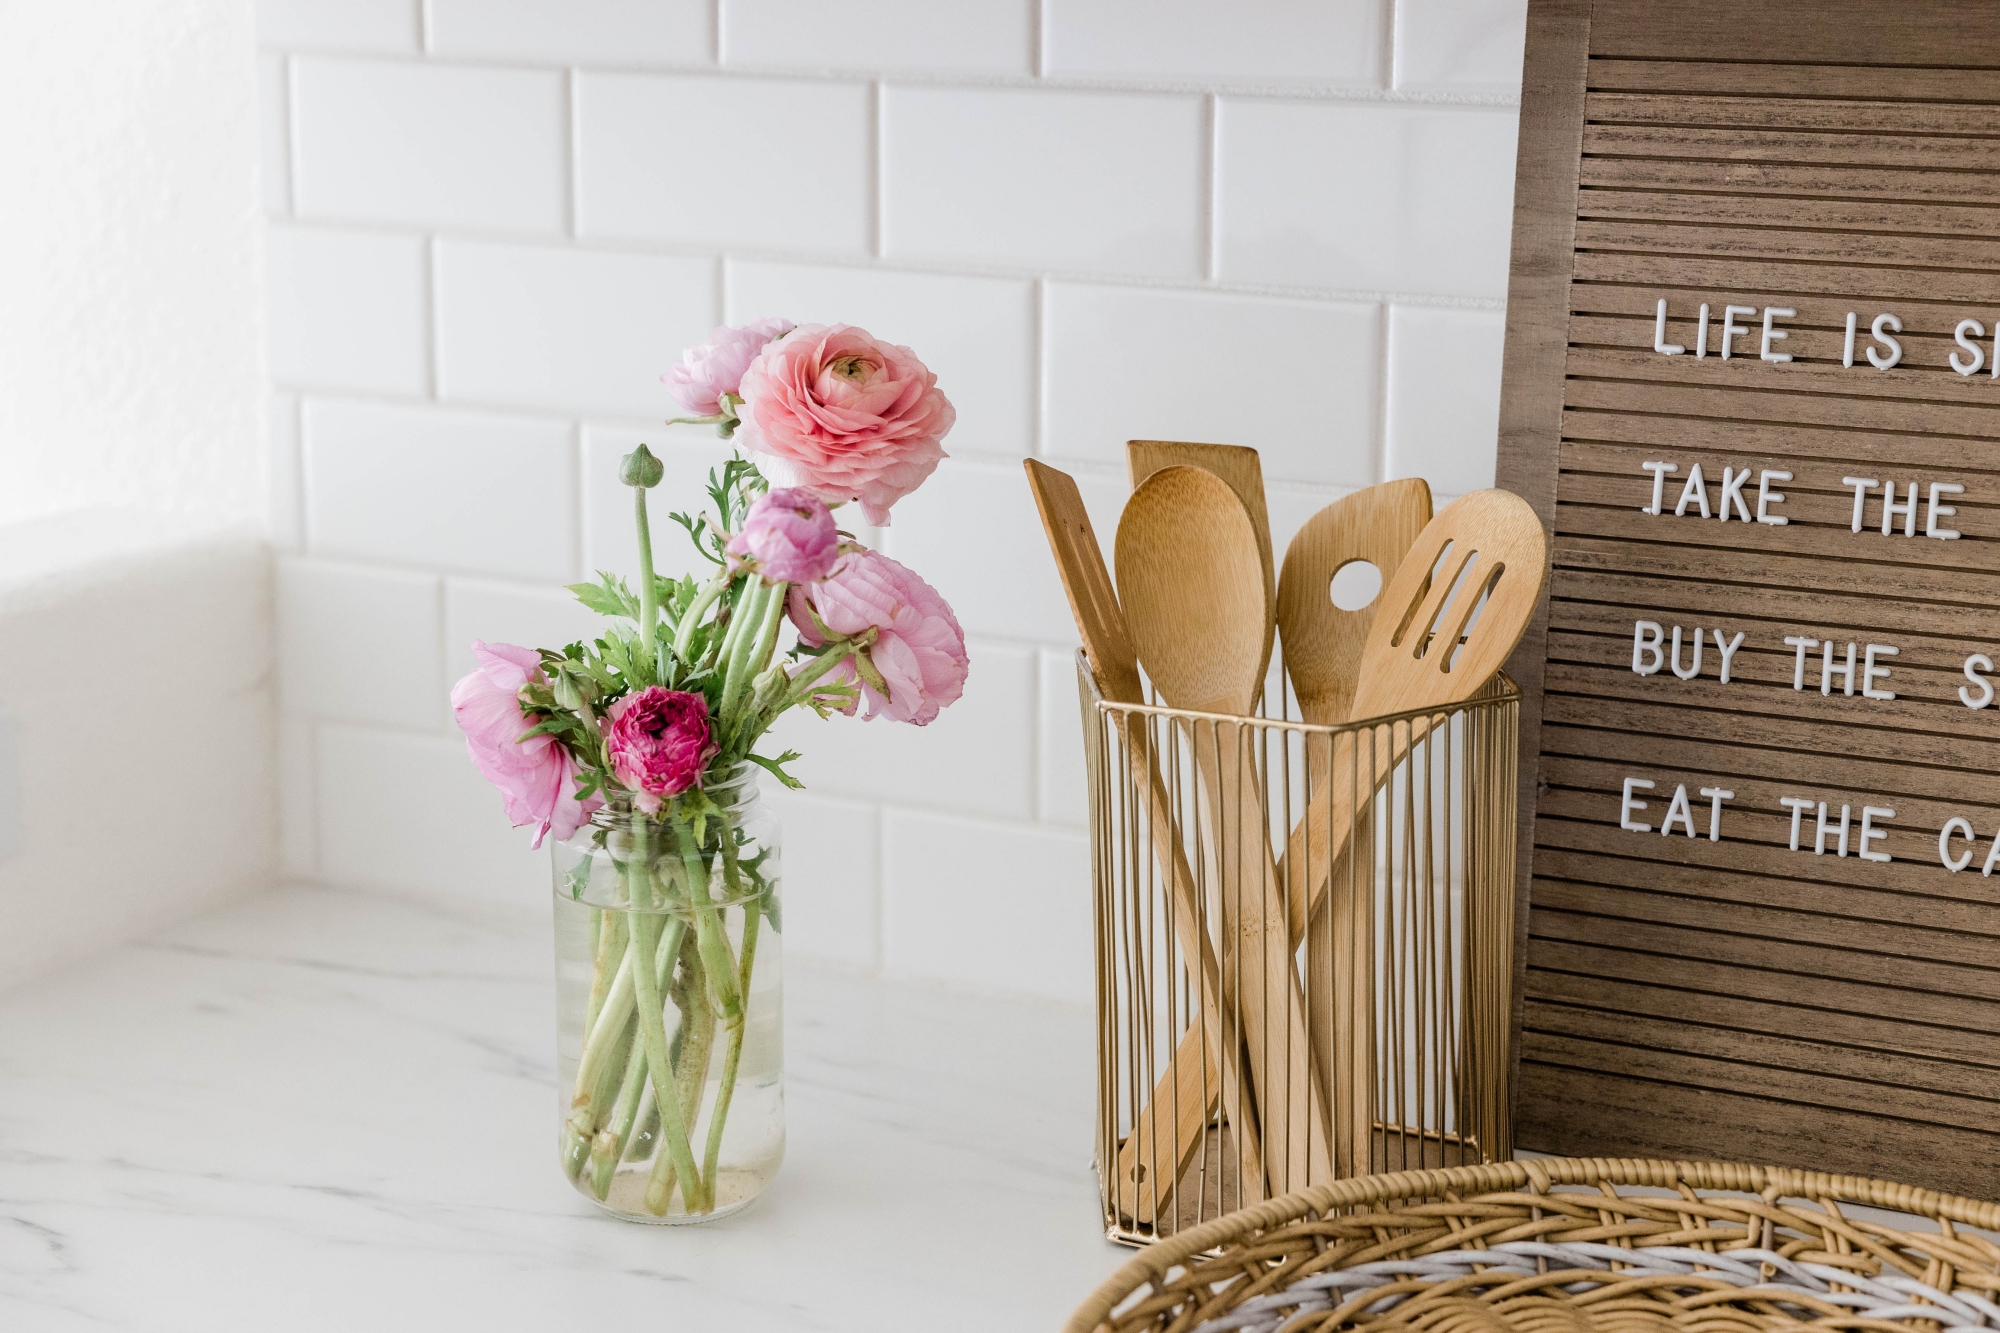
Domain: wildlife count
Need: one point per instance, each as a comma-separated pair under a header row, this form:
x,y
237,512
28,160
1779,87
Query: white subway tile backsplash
x,y
285,473
994,37
1000,906
359,644
1072,180
452,491
977,757
1063,793
410,813
1414,199
298,799
833,857
1293,379
566,329
1444,395
976,334
528,615
1326,42
973,533
1460,45
714,161
339,25
345,310
581,32
274,123
438,145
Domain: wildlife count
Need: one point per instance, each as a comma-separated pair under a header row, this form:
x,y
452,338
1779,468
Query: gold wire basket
x,y
1249,1045
1572,1245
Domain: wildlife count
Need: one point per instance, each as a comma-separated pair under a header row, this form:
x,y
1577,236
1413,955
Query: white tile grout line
x,y
1300,91
291,129
425,27
1392,13
1210,158
1382,460
1038,376
432,305
573,178
920,267
878,138
878,873
1038,40
579,472
715,31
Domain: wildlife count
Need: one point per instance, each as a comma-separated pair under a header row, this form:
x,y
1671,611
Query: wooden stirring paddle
x,y
1323,647
1241,469
1426,650
1190,578
1144,1177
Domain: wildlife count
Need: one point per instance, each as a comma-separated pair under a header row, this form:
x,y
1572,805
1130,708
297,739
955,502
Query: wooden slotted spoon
x,y
1425,651
1144,1178
1190,577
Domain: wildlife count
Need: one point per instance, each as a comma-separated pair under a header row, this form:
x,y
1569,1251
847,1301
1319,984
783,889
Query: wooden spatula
x,y
1425,650
1144,1176
1190,577
1323,646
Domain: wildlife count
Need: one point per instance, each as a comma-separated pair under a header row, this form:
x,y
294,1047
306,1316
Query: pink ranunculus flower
x,y
715,368
920,650
658,741
788,537
851,418
536,776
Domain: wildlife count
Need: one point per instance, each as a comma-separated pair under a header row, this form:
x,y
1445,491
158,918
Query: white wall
x,y
494,224
130,320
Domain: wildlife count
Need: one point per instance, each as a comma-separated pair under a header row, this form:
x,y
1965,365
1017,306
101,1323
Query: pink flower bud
x,y
788,537
658,741
715,368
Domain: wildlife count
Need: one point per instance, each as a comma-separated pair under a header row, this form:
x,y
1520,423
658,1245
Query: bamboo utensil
x,y
1323,647
1435,640
1191,578
1200,1072
1238,466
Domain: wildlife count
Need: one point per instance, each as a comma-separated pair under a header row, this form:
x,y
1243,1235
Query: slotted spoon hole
x,y
1449,600
1422,592
1491,582
1355,586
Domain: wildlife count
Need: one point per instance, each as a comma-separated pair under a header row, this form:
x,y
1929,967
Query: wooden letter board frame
x,y
1691,998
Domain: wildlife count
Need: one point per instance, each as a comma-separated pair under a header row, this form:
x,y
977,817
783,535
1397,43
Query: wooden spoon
x,y
1323,646
1201,1072
1424,651
1190,577
1235,464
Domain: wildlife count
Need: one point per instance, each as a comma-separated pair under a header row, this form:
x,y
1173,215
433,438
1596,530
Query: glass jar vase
x,y
669,1000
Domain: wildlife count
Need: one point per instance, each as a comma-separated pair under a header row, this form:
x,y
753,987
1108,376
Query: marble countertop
x,y
321,1110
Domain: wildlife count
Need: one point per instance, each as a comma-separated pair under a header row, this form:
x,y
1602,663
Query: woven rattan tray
x,y
1569,1245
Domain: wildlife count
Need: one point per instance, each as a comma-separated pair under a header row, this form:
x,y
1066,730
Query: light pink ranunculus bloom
x,y
788,537
536,777
920,652
658,741
705,373
832,409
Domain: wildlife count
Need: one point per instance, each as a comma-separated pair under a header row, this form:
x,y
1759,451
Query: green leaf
x,y
608,596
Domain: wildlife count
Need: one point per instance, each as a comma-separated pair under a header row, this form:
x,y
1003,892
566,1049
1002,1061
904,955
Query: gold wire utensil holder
x,y
1397,1003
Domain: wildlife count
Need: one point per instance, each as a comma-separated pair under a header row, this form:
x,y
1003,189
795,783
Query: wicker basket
x,y
1566,1245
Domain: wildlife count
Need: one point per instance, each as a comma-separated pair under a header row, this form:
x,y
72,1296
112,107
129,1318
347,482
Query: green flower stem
x,y
612,1017
752,916
609,1144
646,930
822,662
581,1133
612,940
691,618
714,945
649,593
745,632
756,652
690,1079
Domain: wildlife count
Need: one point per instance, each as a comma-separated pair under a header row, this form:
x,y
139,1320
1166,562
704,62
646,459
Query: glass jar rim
x,y
733,790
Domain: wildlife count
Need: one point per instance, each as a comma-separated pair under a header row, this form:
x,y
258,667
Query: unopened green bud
x,y
639,468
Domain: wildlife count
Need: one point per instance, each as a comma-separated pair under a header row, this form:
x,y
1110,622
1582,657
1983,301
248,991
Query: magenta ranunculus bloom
x,y
920,652
788,537
848,417
536,777
705,373
659,741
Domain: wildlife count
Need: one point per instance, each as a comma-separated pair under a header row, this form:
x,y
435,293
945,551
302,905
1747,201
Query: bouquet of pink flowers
x,y
639,751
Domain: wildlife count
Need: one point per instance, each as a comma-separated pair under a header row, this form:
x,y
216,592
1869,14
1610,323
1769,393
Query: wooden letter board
x,y
1734,998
